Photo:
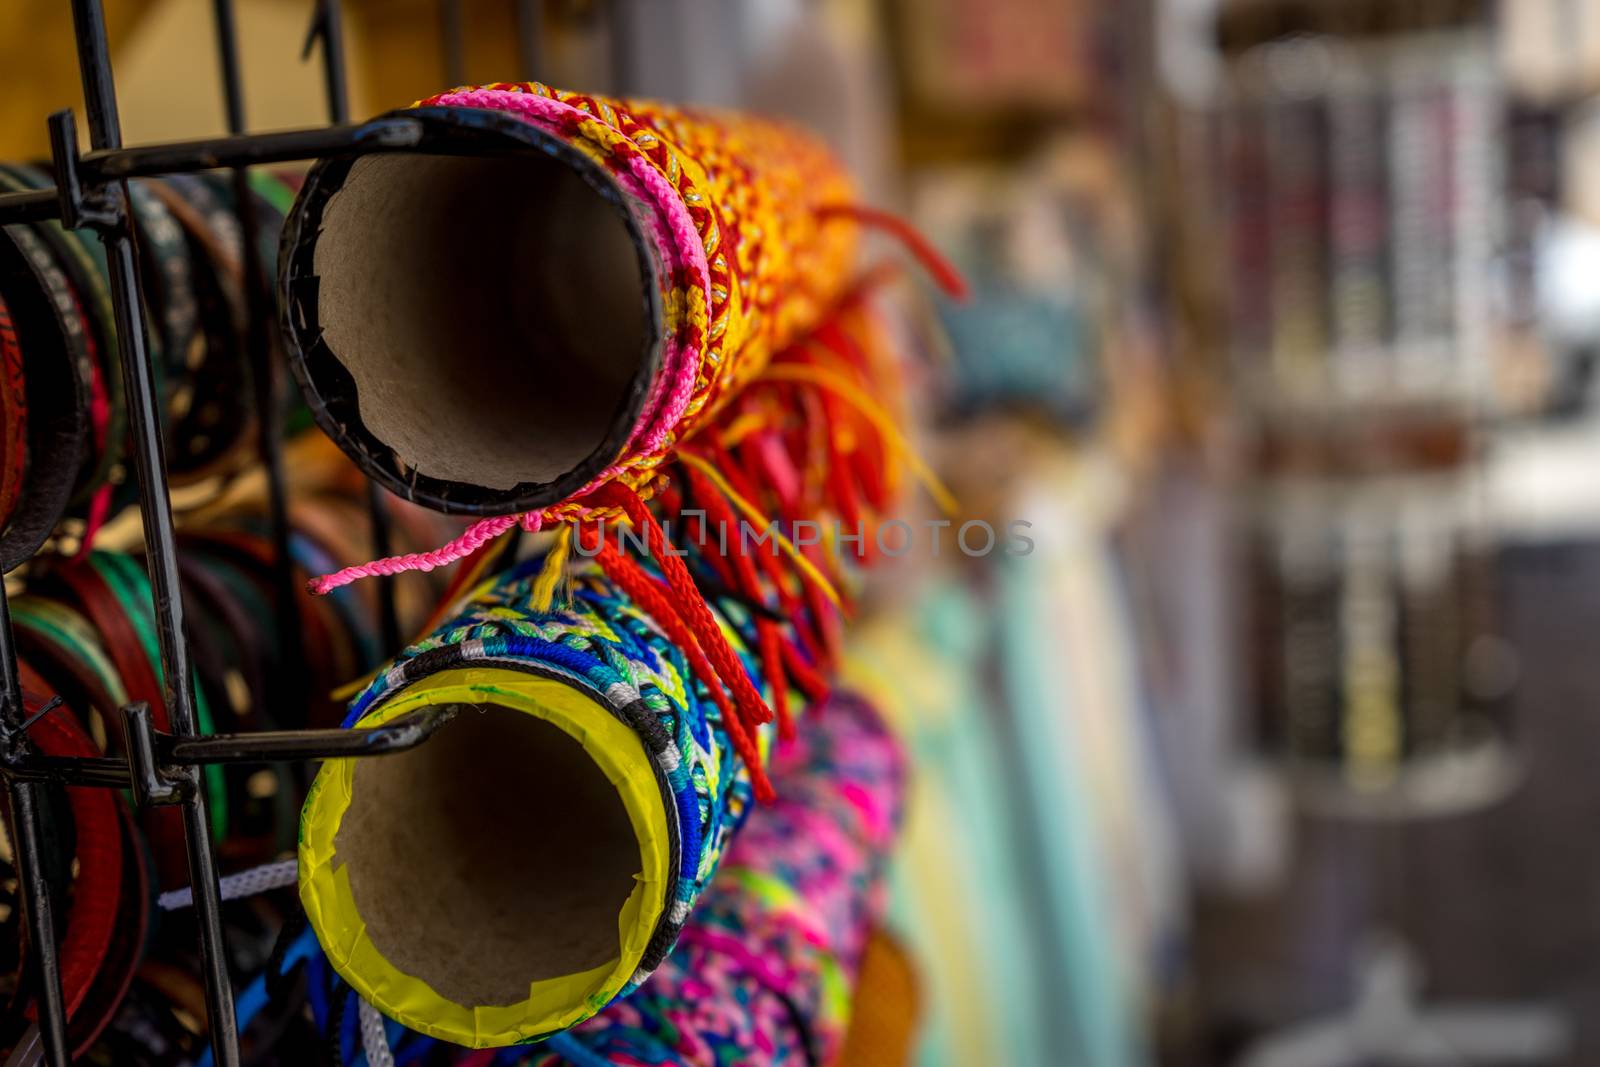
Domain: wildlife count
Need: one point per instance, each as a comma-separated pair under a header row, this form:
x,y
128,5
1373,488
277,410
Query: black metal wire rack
x,y
163,768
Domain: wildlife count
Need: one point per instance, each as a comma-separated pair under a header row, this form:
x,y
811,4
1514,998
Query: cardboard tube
x,y
538,858
493,901
552,290
490,885
779,943
477,322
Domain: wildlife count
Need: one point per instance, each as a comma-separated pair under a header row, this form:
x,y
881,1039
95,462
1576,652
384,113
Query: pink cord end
x,y
473,538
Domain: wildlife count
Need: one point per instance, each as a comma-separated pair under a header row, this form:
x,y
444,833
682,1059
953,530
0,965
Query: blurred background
x,y
1279,747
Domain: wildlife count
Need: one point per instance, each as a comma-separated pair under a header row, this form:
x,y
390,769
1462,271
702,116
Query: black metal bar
x,y
105,132
529,13
25,814
94,69
162,560
279,746
80,207
36,206
154,755
104,771
327,25
12,715
290,680
50,705
452,40
228,56
39,911
257,148
101,167
146,778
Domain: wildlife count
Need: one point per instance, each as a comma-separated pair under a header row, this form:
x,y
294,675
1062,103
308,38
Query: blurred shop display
x,y
1019,678
1400,441
1550,49
1363,211
1017,681
1047,250
1382,669
1387,1023
991,56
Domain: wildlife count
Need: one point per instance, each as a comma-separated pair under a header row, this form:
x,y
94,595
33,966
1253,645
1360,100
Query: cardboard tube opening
x,y
487,309
496,855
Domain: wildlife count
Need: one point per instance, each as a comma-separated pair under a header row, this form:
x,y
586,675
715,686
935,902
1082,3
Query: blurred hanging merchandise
x,y
1370,194
1387,1022
1550,48
1058,331
1383,675
1047,264
1017,679
1363,213
1364,209
66,442
988,79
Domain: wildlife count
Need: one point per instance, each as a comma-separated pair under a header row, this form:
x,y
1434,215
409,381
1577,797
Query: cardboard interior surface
x,y
487,308
496,855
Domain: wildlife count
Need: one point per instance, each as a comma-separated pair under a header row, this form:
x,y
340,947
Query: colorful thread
x,y
638,665
765,970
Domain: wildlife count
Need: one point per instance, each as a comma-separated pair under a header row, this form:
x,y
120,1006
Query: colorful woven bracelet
x,y
721,217
588,783
765,971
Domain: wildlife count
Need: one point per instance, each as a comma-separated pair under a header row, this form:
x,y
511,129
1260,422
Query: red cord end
x,y
933,261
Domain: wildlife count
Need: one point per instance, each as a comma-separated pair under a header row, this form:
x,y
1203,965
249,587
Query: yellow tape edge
x,y
553,1004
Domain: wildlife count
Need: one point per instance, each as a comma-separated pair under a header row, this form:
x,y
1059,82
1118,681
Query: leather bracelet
x,y
91,916
259,825
131,586
62,261
105,996
82,258
213,597
317,638
65,649
123,646
57,396
118,636
213,434
14,411
169,278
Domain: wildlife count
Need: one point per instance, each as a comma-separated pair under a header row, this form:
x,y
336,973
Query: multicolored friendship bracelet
x,y
433,885
766,970
741,232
